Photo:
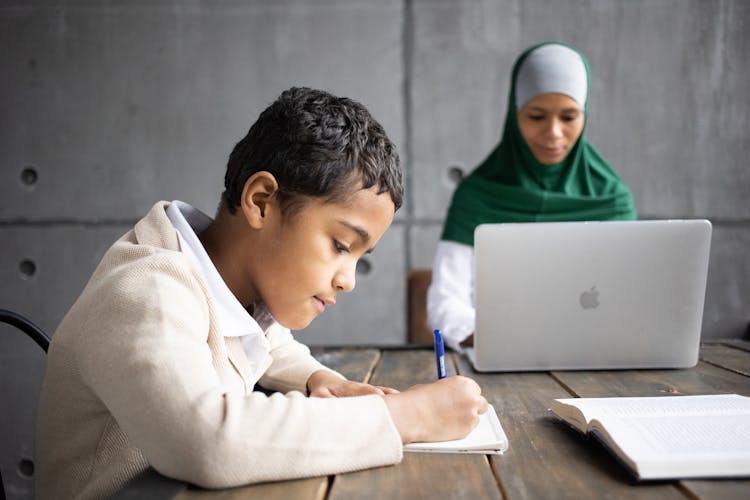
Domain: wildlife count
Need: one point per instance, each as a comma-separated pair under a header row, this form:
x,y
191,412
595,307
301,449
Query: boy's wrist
x,y
320,377
401,409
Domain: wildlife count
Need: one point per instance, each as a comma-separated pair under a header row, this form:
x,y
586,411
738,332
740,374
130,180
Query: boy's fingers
x,y
322,392
483,405
388,390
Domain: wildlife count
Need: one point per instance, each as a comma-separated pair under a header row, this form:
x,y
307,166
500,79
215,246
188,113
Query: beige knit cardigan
x,y
138,375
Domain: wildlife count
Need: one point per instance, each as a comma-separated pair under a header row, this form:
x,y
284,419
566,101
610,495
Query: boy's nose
x,y
344,279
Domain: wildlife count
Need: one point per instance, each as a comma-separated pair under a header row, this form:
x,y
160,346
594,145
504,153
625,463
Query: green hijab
x,y
512,186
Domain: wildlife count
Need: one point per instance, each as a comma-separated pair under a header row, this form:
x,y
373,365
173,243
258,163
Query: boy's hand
x,y
443,410
324,384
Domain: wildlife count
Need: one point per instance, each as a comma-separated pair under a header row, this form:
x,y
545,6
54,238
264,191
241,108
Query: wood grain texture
x,y
743,344
354,364
547,459
420,475
727,356
719,489
402,369
302,489
705,378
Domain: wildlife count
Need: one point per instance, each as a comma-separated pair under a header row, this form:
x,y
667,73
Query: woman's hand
x,y
324,384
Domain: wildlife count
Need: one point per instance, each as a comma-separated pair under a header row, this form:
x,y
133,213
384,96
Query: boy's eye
x,y
569,118
340,247
536,118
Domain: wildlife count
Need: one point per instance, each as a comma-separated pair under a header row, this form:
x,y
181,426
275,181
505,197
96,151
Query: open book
x,y
487,437
668,437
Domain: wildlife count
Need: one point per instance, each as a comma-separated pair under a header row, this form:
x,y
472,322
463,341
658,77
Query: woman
x,y
543,170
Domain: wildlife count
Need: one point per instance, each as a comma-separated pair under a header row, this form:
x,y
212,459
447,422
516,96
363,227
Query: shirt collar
x,y
234,320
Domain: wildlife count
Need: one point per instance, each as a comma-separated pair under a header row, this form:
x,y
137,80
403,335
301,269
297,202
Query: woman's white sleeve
x,y
450,297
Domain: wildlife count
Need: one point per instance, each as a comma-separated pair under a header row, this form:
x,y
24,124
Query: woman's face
x,y
550,124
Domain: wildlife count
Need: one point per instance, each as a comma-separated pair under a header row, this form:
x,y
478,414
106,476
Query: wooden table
x,y
546,459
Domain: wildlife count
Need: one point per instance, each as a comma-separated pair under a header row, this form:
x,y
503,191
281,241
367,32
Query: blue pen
x,y
439,354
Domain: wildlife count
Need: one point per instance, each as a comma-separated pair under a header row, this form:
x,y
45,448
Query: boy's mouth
x,y
322,303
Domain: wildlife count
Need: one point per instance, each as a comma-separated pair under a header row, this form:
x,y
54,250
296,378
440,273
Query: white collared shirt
x,y
233,319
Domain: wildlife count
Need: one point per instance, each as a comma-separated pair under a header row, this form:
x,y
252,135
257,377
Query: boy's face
x,y
307,259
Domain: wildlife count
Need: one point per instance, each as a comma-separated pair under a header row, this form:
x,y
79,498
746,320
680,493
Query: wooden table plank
x,y
547,459
719,489
149,485
403,369
727,356
312,489
354,364
743,344
420,475
705,378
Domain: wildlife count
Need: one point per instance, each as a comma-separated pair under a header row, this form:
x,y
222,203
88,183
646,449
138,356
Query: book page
x,y
487,437
720,404
669,436
680,446
680,435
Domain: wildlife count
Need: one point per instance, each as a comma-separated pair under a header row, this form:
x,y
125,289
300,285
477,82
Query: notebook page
x,y
487,437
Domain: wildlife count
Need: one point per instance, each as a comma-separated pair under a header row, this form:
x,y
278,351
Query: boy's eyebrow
x,y
363,235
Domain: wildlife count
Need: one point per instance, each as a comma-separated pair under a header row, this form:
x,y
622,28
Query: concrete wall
x,y
107,107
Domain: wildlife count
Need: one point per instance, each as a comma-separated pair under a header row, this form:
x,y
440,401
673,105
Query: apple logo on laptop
x,y
590,298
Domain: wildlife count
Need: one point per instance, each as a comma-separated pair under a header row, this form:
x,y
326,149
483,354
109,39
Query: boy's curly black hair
x,y
316,145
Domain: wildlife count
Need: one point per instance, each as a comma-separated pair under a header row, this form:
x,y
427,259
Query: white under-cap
x,y
552,68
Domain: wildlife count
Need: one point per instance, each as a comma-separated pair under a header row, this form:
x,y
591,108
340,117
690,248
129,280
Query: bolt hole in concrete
x,y
27,267
364,267
29,177
456,174
26,467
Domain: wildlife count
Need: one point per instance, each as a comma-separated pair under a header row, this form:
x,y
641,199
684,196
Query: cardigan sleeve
x,y
450,296
146,352
292,362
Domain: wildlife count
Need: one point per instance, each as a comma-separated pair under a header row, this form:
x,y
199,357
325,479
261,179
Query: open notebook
x,y
487,437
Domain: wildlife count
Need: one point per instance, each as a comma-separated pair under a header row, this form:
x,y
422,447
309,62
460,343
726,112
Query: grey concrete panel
x,y
668,104
423,242
121,104
42,271
22,365
673,79
727,308
62,259
461,58
374,313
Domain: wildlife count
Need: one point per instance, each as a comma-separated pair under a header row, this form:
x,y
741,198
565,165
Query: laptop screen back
x,y
589,295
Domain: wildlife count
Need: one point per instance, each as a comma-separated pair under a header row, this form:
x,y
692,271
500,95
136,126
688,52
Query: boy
x,y
156,361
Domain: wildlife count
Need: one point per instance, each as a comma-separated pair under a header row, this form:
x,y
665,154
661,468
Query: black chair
x,y
27,326
38,335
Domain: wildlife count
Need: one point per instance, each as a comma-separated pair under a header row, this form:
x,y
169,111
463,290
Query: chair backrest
x,y
418,329
25,466
27,326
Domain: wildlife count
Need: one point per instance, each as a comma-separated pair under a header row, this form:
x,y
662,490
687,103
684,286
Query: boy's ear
x,y
257,197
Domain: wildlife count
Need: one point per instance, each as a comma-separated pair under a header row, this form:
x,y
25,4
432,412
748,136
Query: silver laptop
x,y
589,295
